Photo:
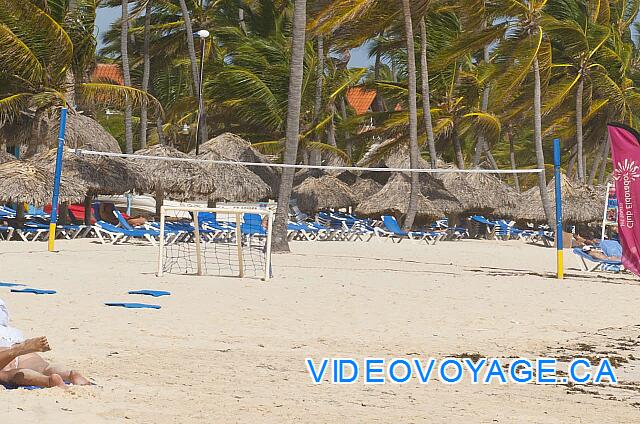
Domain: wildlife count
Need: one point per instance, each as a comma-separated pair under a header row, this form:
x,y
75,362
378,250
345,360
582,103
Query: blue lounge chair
x,y
252,225
120,235
394,232
611,248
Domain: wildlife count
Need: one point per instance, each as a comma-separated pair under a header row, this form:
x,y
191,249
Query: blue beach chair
x,y
395,232
611,248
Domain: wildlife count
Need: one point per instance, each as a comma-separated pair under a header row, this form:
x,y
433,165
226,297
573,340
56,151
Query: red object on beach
x,y
625,152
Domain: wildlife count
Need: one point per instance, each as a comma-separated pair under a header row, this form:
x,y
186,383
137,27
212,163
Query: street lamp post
x,y
203,34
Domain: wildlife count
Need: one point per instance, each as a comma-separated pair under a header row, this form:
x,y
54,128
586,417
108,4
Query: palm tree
x,y
203,132
414,151
426,99
146,58
124,51
523,49
36,50
280,242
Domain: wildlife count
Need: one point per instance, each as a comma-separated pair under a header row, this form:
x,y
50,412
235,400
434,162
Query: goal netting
x,y
229,242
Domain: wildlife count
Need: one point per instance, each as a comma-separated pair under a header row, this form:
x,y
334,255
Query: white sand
x,y
228,350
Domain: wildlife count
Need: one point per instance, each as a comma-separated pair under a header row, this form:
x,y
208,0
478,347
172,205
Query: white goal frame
x,y
237,213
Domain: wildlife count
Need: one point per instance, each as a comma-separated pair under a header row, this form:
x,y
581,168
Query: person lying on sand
x,y
20,364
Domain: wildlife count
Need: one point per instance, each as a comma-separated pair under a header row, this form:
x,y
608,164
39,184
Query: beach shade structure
x,y
581,204
301,175
234,183
346,176
237,149
434,201
176,180
101,175
479,192
327,192
24,181
364,188
6,157
81,131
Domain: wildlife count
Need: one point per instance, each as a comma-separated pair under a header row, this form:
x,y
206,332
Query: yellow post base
x,y
560,265
52,236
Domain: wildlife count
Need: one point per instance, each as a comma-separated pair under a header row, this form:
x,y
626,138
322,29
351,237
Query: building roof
x,y
360,99
107,72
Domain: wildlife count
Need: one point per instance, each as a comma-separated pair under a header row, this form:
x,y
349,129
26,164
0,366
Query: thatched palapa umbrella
x,y
237,149
26,182
364,188
580,204
234,183
99,174
81,131
479,192
301,175
326,192
393,199
175,179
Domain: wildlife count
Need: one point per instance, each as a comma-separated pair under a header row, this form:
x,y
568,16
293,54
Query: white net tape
x,y
319,167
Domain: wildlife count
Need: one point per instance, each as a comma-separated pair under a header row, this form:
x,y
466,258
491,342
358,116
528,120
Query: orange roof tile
x,y
107,72
360,99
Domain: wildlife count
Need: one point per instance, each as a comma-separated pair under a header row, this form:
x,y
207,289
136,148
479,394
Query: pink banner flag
x,y
625,152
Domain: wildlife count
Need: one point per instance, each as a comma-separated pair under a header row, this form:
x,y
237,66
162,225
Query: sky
x,y
106,16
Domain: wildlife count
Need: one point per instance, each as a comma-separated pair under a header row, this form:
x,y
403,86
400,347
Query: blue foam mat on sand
x,y
33,291
3,284
154,293
133,305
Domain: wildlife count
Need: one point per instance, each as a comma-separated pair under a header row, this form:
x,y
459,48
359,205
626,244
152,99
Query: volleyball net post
x,y
56,185
559,226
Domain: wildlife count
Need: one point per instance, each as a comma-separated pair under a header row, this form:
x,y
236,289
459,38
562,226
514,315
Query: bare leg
x,y
39,344
37,363
27,377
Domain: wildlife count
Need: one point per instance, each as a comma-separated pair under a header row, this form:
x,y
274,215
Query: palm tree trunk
x,y
331,130
243,24
203,132
348,143
579,135
512,158
482,145
537,135
605,159
315,157
280,243
597,158
145,75
426,94
457,146
159,125
414,153
378,103
571,167
126,73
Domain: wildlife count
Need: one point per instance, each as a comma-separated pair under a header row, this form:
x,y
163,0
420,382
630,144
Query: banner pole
x,y
56,184
559,226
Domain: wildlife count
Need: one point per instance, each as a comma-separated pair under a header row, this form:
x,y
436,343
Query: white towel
x,y
8,335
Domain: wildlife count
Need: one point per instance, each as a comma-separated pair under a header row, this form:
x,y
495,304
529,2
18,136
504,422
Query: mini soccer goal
x,y
215,242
